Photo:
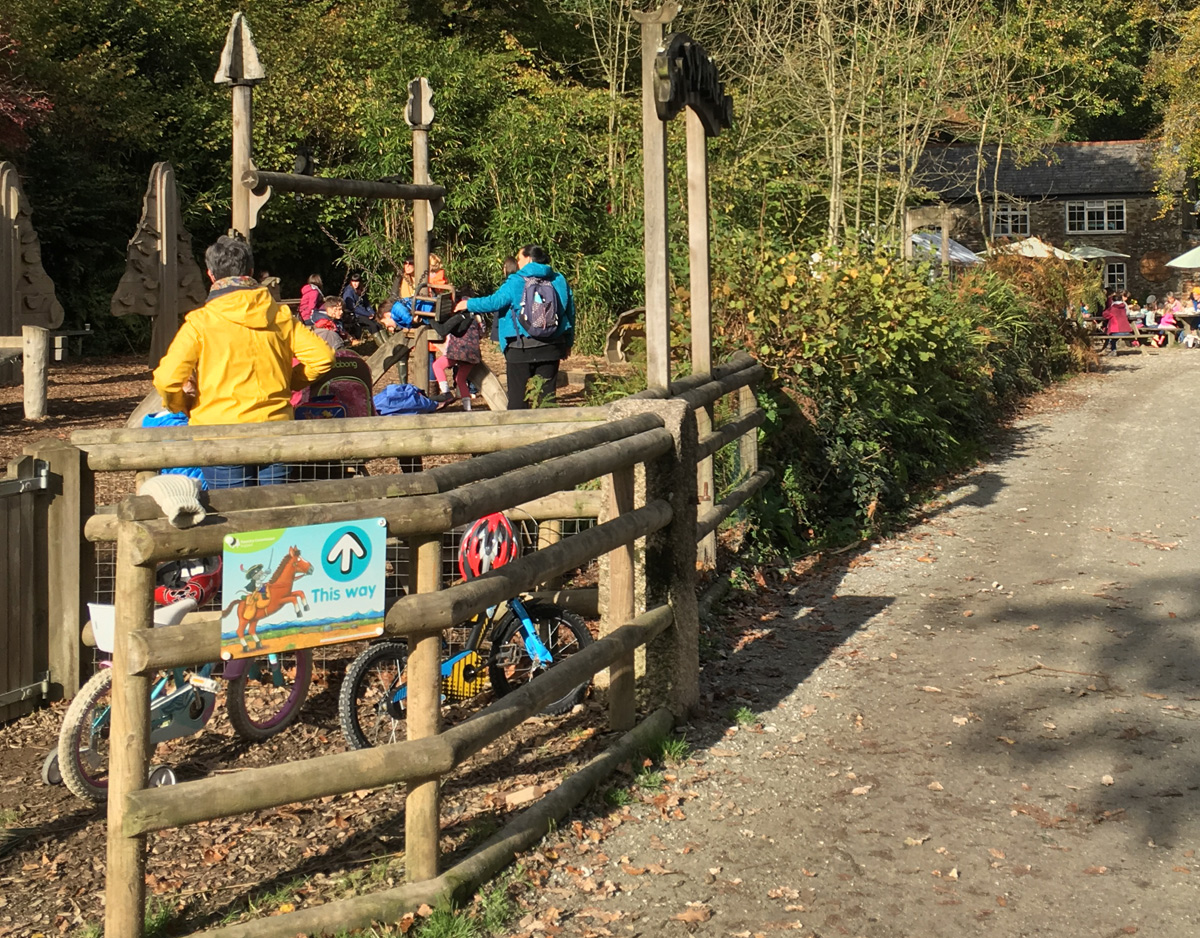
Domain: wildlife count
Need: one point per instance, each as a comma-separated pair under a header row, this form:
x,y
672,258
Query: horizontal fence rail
x,y
322,440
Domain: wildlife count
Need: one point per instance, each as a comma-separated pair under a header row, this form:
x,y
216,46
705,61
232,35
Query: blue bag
x,y
403,399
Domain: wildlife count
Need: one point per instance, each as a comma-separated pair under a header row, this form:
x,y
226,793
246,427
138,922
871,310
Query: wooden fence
x,y
645,451
24,645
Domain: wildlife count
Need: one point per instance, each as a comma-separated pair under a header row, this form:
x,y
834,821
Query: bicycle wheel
x,y
366,707
510,665
267,697
83,740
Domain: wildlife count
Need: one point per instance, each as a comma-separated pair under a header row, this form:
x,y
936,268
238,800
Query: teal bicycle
x,y
505,647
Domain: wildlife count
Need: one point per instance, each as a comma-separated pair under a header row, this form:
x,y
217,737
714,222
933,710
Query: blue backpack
x,y
538,317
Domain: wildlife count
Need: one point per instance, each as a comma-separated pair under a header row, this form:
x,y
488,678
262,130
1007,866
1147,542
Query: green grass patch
x,y
744,716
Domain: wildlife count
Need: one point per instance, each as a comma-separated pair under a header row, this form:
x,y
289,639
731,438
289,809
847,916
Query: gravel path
x,y
986,725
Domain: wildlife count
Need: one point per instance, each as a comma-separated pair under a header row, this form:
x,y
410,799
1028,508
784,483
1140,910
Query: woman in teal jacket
x,y
525,356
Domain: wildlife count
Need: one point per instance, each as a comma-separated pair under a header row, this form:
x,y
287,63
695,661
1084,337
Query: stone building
x,y
1099,194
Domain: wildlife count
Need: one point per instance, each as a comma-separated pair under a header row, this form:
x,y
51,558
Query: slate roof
x,y
1066,170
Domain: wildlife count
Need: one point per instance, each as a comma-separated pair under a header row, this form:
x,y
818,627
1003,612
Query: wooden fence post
x,y
129,747
620,606
70,561
748,445
673,658
35,367
422,811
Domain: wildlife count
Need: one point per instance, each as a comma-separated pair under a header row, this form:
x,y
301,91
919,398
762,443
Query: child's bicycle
x,y
520,640
263,696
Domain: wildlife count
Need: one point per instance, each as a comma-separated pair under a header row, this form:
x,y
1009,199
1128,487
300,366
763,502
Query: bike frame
x,y
171,713
537,648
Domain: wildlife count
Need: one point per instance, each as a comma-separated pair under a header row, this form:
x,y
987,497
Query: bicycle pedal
x,y
204,683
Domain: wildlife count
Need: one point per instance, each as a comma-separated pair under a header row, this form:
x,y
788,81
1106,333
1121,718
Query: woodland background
x,y
885,377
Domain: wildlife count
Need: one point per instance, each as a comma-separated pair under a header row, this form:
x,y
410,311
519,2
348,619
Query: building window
x,y
1096,215
1010,219
1114,277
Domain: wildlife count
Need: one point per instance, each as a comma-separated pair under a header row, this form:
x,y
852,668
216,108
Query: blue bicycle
x,y
505,647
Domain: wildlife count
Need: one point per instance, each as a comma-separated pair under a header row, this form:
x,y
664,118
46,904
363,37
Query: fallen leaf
x,y
935,786
784,892
633,870
424,910
1181,869
953,874
807,872
998,854
1007,739
1033,628
860,790
286,907
1155,696
1001,901
1106,780
960,721
600,915
1096,870
967,613
914,841
807,710
926,559
695,912
930,689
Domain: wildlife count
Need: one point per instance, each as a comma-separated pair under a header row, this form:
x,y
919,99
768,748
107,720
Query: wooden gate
x,y
24,645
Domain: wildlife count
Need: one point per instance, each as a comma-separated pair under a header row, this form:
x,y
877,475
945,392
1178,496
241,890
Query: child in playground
x,y
463,334
327,323
311,298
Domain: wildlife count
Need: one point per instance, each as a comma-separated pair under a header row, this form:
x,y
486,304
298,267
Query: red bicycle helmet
x,y
487,544
184,579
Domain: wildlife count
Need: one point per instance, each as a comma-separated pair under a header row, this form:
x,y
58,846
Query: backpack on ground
x,y
538,317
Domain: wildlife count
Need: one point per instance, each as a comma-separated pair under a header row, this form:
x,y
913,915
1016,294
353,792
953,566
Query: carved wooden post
x,y
701,301
162,278
419,116
240,67
684,76
654,161
26,293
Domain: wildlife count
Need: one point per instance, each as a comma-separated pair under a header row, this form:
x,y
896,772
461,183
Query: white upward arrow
x,y
345,550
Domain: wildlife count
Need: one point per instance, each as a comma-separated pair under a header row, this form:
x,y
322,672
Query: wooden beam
x,y
420,514
733,500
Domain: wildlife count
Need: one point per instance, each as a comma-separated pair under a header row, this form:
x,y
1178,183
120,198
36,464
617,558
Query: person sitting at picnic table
x,y
362,314
1116,318
231,362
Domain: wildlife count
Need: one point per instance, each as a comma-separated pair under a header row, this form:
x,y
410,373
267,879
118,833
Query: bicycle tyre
x,y
364,711
84,737
510,667
257,708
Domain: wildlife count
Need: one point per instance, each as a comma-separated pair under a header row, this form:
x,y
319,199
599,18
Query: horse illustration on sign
x,y
343,599
272,596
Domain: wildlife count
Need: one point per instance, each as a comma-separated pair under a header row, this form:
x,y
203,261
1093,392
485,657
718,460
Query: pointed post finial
x,y
240,64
